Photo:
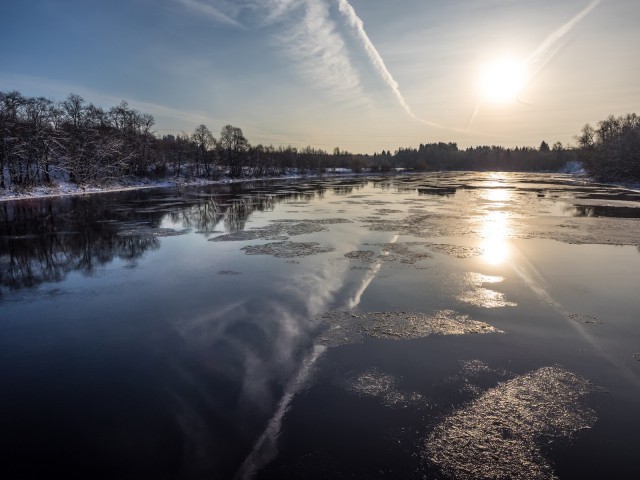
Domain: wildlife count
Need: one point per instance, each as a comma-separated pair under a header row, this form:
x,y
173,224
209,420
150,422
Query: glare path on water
x,y
497,250
535,281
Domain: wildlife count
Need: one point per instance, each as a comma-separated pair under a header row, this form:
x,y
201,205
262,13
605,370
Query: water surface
x,y
430,326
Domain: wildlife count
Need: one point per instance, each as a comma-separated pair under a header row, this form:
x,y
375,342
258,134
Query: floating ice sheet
x,y
414,224
150,232
287,249
458,251
276,231
470,372
362,255
407,253
584,318
347,327
375,384
315,221
474,367
499,435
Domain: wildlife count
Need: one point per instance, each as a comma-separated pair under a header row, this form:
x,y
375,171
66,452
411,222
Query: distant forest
x,y
43,141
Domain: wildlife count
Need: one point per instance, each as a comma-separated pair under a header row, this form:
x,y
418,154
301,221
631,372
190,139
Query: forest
x,y
78,142
611,151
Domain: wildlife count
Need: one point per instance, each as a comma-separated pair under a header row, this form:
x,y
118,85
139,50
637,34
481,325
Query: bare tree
x,y
40,116
233,146
205,148
11,104
73,106
612,151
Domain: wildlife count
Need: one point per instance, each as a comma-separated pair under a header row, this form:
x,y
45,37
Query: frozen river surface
x,y
441,326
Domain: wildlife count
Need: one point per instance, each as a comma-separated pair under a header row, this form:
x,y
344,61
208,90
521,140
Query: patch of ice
x,y
375,384
500,434
287,249
345,328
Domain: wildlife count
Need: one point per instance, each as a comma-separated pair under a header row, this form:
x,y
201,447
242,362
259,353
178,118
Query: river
x,y
446,325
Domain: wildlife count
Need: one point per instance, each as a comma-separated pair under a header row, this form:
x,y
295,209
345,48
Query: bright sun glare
x,y
502,80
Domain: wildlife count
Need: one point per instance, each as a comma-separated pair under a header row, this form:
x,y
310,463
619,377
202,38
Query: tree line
x,y
611,150
42,140
72,140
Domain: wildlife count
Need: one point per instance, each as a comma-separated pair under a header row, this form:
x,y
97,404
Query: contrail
x,y
538,56
366,281
473,116
372,52
265,448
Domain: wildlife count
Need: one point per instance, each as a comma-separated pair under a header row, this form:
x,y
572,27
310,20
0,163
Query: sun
x,y
502,80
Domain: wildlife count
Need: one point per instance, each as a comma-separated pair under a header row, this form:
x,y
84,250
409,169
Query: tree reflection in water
x,y
43,240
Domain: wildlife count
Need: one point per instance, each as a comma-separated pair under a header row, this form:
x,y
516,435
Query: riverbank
x,y
60,189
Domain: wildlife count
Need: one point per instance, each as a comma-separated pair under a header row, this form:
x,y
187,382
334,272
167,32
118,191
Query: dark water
x,y
438,326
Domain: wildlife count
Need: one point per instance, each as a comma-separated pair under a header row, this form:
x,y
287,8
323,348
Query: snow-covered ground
x,y
573,168
61,188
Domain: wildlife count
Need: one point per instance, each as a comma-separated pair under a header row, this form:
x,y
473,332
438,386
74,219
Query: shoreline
x,y
68,190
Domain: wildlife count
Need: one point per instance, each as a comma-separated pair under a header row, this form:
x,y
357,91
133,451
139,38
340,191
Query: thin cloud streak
x,y
550,47
376,59
209,10
538,56
306,34
473,116
277,8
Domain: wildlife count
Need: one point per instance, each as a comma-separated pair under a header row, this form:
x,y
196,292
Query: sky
x,y
361,75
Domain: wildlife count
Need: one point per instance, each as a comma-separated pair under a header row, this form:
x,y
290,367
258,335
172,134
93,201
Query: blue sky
x,y
364,75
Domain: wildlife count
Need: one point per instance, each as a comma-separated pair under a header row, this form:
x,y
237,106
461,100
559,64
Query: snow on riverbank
x,y
58,189
62,188
574,168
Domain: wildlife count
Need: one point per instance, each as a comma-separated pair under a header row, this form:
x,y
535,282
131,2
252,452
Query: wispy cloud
x,y
310,38
277,8
304,31
205,8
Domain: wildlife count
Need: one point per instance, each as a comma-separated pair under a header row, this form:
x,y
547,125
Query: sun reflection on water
x,y
498,195
494,232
